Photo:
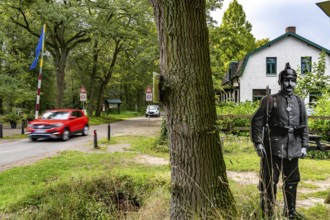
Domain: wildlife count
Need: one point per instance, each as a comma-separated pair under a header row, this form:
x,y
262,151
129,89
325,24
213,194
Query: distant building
x,y
247,79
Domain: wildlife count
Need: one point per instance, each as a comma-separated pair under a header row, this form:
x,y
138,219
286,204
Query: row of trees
x,y
110,47
90,43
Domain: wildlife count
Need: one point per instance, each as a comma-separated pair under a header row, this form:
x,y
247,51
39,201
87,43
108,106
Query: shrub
x,y
229,108
323,109
163,139
319,155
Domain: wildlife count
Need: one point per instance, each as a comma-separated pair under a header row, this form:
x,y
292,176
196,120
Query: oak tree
x,y
199,183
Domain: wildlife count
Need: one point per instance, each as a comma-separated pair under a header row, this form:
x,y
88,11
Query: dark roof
x,y
239,68
226,79
236,73
113,101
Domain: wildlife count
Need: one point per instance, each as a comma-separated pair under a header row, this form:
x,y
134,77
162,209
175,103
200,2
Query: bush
x,y
229,108
11,117
323,109
163,139
319,155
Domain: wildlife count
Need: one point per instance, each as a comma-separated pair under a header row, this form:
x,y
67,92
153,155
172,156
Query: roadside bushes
x,y
236,117
322,109
161,144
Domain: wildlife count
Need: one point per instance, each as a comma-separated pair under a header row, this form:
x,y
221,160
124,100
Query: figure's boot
x,y
290,193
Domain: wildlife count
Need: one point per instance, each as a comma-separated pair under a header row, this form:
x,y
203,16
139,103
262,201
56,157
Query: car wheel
x,y
34,139
66,135
85,131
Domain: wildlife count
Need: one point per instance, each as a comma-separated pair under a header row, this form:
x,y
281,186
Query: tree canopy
x,y
231,41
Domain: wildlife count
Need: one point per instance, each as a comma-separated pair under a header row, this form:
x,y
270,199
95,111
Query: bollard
x,y
109,132
22,130
1,131
95,139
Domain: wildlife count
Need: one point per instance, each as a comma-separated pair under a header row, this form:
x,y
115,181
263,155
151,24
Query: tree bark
x,y
100,99
60,63
199,184
96,50
107,77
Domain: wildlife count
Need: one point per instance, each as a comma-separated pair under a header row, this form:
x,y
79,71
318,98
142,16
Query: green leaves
x,y
231,41
314,81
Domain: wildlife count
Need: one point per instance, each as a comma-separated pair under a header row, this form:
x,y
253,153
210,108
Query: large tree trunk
x,y
198,173
90,106
100,97
1,106
107,78
60,63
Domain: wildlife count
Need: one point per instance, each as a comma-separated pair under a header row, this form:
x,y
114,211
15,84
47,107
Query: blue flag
x,y
38,50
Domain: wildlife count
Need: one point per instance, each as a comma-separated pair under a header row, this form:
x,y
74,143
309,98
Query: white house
x,y
247,79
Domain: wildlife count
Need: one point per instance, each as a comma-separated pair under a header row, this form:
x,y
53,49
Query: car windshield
x,y
55,115
152,107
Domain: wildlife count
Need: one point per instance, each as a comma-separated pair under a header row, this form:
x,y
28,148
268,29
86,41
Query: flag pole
x,y
40,72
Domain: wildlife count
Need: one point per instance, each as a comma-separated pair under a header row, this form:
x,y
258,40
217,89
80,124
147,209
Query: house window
x,y
271,64
258,94
314,97
306,64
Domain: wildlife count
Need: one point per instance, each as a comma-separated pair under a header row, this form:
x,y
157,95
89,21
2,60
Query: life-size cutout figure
x,y
279,132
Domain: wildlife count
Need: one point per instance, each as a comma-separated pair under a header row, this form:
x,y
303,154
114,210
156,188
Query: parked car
x,y
153,110
58,124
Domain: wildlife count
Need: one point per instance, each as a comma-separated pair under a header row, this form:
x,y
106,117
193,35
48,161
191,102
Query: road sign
x,y
148,93
83,94
149,97
83,90
148,89
83,97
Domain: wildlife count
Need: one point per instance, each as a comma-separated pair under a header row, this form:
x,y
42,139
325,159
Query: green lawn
x,y
102,185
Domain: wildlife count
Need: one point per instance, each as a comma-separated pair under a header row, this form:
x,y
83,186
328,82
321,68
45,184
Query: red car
x,y
58,124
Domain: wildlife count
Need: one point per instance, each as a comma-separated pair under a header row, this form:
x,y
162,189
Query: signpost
x,y
83,96
148,93
148,99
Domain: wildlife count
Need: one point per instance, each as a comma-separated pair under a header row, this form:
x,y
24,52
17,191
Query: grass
x,y
102,185
108,118
79,185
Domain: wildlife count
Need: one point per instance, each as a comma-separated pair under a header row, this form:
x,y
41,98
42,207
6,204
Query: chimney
x,y
291,29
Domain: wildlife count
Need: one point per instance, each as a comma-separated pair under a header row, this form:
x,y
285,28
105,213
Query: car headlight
x,y
58,124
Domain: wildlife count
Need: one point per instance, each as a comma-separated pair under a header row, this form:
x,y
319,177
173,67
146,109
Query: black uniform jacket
x,y
287,125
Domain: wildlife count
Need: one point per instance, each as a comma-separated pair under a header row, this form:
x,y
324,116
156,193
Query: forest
x,y
109,47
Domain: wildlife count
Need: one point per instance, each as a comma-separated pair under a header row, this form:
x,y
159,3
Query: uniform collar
x,y
285,94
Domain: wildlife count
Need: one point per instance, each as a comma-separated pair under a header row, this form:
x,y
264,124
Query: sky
x,y
269,18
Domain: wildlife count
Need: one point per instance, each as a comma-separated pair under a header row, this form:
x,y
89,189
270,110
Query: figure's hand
x,y
261,150
303,152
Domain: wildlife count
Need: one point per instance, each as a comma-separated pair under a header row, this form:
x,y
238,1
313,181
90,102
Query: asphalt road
x,y
20,150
